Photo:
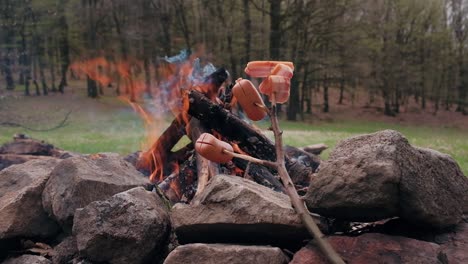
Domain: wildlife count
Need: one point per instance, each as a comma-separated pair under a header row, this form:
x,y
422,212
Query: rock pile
x,y
98,209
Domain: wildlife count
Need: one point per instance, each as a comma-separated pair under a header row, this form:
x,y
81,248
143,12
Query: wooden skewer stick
x,y
263,107
296,201
251,159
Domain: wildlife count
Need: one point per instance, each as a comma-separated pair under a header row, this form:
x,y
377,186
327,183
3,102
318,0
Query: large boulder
x,y
380,175
373,248
234,210
219,253
21,209
77,181
22,145
129,227
27,259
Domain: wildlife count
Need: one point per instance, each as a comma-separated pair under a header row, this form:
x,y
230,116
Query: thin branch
x,y
252,159
296,201
59,125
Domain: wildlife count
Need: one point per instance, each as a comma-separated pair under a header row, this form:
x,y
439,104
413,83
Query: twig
x,y
251,159
59,125
296,201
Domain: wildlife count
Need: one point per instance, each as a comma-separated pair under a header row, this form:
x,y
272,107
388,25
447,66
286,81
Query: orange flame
x,y
167,92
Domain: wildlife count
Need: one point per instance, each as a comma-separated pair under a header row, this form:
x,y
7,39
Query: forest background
x,y
378,59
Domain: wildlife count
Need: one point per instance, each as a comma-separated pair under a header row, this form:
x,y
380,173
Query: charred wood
x,y
157,157
234,129
205,168
259,174
315,149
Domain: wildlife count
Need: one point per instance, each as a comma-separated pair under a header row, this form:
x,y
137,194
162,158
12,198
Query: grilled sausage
x,y
212,148
276,84
261,69
283,70
249,98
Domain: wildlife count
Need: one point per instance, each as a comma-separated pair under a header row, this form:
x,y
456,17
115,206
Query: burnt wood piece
x,y
250,140
259,174
182,183
305,158
182,154
315,149
188,177
218,77
205,168
160,152
170,187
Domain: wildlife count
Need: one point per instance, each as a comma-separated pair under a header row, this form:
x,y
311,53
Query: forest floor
x,y
108,124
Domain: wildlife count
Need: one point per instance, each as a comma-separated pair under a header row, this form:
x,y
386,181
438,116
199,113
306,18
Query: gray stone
x,y
220,253
78,181
235,210
27,259
380,175
129,227
21,212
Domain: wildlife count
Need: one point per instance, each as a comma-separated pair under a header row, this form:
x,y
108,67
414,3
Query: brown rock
x,y
373,248
21,212
65,252
78,181
235,210
7,160
129,227
27,146
380,175
219,253
454,244
27,259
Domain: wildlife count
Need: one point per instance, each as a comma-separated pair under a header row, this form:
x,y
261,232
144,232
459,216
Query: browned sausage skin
x,y
249,98
212,148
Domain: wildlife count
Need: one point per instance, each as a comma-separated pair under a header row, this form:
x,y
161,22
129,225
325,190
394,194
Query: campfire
x,y
226,144
208,104
230,184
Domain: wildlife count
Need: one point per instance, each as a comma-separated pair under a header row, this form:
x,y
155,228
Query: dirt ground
x,y
361,110
357,109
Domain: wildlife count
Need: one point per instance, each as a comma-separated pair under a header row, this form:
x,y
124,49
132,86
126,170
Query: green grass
x,y
109,125
447,140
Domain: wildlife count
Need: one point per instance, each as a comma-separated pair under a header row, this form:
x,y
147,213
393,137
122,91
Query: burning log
x,y
259,174
315,149
205,168
180,184
248,139
158,157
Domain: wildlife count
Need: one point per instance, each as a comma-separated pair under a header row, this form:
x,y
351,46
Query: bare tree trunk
x,y
247,31
36,85
275,29
6,63
63,45
326,107
183,23
90,8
